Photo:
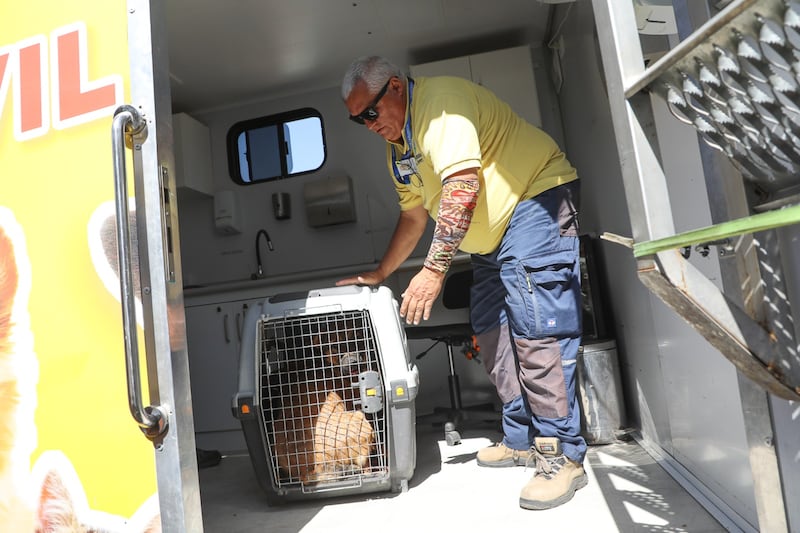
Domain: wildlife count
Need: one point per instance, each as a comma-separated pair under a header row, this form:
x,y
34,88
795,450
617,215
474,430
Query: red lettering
x,y
30,84
3,65
61,93
4,57
73,101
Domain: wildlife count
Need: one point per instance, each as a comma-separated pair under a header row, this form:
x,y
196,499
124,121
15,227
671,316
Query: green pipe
x,y
752,224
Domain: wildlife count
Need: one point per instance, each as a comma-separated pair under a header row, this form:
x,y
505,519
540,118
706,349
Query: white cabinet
x,y
192,154
214,338
508,73
457,66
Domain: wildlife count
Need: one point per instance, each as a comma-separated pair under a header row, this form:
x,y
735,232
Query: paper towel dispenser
x,y
329,201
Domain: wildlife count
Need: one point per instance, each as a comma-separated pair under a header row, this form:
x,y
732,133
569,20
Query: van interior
x,y
680,457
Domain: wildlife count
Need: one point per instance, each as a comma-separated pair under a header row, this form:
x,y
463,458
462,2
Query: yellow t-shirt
x,y
457,124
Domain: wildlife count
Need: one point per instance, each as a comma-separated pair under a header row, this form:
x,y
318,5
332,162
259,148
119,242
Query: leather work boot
x,y
556,479
500,455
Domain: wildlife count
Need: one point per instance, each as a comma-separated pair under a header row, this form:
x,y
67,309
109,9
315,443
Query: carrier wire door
x,y
319,427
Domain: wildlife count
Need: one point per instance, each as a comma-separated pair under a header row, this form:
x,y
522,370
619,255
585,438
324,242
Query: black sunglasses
x,y
370,113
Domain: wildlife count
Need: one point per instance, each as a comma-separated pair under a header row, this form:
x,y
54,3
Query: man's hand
x,y
365,278
419,296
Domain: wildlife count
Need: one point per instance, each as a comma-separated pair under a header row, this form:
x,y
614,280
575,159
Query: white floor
x,y
627,492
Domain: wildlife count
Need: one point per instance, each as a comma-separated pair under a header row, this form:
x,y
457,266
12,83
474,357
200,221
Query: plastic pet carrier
x,y
326,393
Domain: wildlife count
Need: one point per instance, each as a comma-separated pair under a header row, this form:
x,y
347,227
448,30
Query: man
x,y
500,189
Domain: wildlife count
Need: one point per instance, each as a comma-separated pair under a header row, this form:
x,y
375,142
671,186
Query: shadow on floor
x,y
234,502
628,492
641,496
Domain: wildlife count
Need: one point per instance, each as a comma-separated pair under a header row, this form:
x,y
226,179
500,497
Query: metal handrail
x,y
128,124
740,226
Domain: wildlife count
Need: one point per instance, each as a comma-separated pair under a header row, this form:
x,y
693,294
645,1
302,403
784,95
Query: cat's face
x,y
62,505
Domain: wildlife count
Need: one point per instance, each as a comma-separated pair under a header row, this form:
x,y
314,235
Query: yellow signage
x,y
67,440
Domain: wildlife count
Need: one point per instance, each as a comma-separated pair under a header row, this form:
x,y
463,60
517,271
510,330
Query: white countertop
x,y
269,285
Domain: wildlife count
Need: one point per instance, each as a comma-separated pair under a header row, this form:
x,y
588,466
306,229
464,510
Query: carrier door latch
x,y
369,384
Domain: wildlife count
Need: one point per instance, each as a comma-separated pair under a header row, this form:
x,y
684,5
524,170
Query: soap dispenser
x,y
227,213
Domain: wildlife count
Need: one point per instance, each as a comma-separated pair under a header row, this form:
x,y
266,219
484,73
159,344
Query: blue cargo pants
x,y
526,314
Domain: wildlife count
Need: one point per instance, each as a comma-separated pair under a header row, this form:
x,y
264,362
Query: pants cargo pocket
x,y
549,287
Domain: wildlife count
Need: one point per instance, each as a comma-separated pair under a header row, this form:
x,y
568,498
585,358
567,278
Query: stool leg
x,y
451,435
452,379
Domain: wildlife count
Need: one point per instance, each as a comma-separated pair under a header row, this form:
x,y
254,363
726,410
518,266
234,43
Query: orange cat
x,y
49,498
317,439
18,376
342,440
62,506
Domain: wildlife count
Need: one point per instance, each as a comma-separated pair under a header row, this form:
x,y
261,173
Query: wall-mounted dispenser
x,y
227,214
281,205
329,201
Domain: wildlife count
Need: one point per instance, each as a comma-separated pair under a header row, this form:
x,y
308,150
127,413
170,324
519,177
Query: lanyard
x,y
406,165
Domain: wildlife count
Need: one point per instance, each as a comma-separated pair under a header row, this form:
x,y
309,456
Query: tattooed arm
x,y
459,194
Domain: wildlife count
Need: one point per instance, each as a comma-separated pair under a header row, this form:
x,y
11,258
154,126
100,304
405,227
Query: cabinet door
x,y
213,342
457,66
192,154
509,74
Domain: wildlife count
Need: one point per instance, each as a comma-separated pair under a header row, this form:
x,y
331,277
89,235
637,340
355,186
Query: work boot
x,y
500,455
556,479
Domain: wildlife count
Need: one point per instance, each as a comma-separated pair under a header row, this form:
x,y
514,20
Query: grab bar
x,y
127,125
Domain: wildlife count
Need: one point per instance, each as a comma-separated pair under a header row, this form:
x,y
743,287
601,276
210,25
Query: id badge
x,y
407,167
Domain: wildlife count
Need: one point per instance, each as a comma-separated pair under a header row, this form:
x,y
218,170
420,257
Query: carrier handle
x,y
129,127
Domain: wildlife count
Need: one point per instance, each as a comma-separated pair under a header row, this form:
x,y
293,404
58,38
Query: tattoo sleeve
x,y
455,214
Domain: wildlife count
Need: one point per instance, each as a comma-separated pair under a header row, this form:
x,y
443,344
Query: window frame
x,y
279,120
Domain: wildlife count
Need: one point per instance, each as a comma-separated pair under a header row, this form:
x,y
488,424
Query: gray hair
x,y
373,70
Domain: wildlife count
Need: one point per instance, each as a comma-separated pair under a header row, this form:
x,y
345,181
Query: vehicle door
x,y
95,410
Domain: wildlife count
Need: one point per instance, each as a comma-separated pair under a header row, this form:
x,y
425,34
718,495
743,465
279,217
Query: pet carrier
x,y
326,394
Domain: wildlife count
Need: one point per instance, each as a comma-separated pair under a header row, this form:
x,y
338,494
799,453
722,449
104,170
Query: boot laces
x,y
546,466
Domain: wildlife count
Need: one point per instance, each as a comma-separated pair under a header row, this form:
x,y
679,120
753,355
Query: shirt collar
x,y
406,136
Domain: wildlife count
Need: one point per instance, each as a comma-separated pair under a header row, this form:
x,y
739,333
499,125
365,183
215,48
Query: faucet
x,y
260,271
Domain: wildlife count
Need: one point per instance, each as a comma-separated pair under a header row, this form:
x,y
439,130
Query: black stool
x,y
457,416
